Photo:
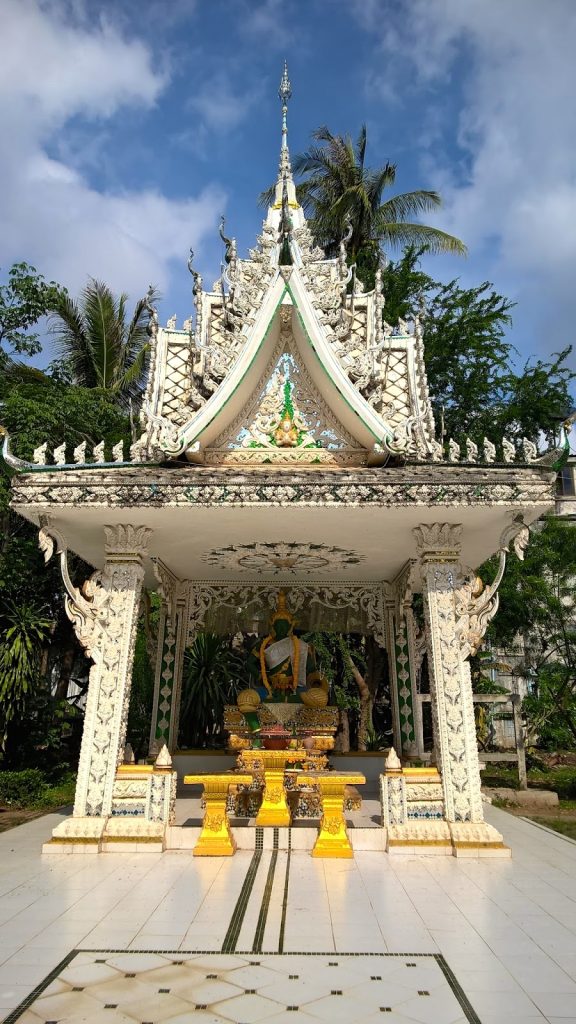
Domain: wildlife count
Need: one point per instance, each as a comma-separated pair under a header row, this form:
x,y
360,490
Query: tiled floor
x,y
220,989
503,932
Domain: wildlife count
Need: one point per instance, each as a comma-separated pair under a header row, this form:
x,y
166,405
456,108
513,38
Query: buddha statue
x,y
287,664
286,434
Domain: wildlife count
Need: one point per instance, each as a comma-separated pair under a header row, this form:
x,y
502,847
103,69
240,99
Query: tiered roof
x,y
287,315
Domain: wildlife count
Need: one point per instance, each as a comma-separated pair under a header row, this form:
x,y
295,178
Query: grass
x,y
51,797
561,825
561,779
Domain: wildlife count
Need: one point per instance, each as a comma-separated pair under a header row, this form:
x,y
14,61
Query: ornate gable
x,y
208,382
311,433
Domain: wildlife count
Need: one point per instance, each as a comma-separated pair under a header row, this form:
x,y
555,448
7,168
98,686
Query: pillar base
x,y
420,838
76,835
107,835
477,839
446,838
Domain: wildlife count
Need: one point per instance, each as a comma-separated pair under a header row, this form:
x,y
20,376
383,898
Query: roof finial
x,y
284,94
285,191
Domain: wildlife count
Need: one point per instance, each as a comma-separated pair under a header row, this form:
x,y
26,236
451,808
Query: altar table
x,y
272,764
216,839
332,838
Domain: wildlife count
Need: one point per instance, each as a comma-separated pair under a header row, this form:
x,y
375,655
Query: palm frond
x,y
408,204
66,322
361,145
433,239
101,313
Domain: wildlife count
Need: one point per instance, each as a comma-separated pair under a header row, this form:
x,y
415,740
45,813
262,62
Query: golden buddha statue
x,y
286,434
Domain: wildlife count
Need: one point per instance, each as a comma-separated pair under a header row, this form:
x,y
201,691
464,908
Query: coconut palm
x,y
99,345
342,196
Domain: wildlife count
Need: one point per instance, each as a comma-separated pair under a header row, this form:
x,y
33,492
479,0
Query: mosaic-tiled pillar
x,y
450,681
402,668
172,630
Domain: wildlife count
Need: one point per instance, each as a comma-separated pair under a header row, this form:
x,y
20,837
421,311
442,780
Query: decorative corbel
x,y
84,607
479,603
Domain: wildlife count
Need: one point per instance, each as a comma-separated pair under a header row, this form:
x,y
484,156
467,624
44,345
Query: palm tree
x,y
24,630
342,196
101,348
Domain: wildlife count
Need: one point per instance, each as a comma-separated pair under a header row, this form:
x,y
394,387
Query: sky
x,y
130,126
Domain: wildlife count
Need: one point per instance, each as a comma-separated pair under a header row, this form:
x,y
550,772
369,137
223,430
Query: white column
x,y
105,617
450,681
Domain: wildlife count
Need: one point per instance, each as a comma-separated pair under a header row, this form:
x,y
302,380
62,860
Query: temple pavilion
x,y
287,445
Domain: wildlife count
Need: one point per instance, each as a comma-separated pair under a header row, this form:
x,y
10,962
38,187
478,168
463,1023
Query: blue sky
x,y
133,124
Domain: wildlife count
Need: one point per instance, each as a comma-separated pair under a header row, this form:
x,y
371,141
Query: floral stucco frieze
x,y
409,486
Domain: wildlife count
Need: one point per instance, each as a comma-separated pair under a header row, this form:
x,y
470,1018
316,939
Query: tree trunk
x,y
67,660
342,744
365,719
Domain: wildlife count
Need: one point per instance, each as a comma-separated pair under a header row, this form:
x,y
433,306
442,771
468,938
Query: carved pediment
x,y
286,419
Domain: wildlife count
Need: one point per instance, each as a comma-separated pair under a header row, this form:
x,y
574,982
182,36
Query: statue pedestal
x,y
299,721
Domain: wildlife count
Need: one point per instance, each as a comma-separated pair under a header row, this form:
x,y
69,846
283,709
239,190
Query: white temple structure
x,y
287,442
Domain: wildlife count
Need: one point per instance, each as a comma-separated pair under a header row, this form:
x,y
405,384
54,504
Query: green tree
x,y
475,388
538,604
24,298
342,195
23,630
97,342
212,673
36,409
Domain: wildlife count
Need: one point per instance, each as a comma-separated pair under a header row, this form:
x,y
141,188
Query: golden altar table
x,y
332,838
272,764
216,839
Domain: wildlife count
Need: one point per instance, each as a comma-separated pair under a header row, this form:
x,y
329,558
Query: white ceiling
x,y
381,538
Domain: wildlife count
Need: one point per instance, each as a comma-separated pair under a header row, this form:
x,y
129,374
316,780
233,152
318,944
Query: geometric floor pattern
x,y
245,939
220,988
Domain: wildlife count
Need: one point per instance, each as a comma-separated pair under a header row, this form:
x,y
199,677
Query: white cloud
x,y
271,20
517,125
57,67
221,105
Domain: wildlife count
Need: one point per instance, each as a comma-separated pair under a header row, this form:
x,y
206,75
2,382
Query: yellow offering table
x,y
271,764
332,838
216,839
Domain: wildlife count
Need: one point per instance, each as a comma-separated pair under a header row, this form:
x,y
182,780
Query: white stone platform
x,y
492,940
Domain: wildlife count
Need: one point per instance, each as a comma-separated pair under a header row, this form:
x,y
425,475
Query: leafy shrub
x,y
563,780
21,789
